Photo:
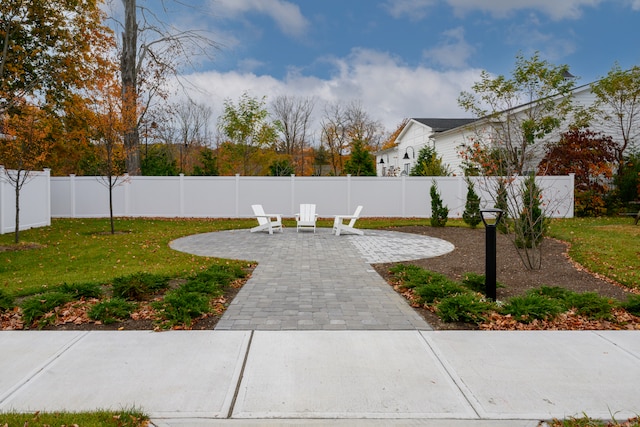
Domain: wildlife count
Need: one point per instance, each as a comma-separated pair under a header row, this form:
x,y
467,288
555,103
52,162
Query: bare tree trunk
x,y
17,187
130,87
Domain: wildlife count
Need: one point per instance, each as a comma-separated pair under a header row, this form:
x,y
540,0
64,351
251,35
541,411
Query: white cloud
x,y
412,9
388,89
453,52
556,9
285,14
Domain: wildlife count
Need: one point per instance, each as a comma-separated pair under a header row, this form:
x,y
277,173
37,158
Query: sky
x,y
397,58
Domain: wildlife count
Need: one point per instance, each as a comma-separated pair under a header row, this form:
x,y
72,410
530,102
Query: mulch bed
x,y
469,256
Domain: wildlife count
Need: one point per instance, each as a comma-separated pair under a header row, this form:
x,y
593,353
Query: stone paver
x,y
307,281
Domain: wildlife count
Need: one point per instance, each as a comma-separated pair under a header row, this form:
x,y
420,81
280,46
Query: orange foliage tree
x,y
23,148
589,155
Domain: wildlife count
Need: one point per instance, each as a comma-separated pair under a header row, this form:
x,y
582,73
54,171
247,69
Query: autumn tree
x,y
294,117
591,156
109,125
617,108
49,49
247,125
519,111
342,125
390,140
23,149
151,53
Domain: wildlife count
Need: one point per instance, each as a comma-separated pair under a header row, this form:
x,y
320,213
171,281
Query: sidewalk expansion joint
x,y
244,364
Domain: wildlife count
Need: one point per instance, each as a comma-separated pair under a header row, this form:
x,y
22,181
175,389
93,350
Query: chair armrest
x,y
269,216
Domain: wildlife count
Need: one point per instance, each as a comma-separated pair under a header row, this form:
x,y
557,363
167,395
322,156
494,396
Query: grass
x,y
125,418
607,246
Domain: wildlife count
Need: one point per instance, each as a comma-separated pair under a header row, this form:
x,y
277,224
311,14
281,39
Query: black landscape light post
x,y
490,219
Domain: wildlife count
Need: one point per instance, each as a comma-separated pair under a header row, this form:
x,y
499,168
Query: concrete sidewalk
x,y
209,378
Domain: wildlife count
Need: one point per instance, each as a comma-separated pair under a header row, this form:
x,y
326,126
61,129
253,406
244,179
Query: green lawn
x,y
82,250
607,246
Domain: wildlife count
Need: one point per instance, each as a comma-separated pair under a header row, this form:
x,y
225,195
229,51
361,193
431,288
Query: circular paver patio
x,y
316,281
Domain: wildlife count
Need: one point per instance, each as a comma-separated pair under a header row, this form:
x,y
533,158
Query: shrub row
x,y
465,302
122,296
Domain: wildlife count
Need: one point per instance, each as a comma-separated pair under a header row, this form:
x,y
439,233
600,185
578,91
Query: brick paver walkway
x,y
307,281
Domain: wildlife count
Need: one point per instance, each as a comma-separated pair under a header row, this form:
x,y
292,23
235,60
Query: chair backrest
x,y
259,212
307,212
356,215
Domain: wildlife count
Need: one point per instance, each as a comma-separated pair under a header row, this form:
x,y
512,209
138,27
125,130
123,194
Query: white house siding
x,y
410,141
448,143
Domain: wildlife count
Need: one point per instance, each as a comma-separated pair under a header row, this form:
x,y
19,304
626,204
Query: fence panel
x,y
223,197
35,201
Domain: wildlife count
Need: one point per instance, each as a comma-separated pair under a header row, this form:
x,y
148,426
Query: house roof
x,y
441,125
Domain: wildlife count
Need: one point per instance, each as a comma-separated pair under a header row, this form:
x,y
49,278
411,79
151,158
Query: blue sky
x,y
399,58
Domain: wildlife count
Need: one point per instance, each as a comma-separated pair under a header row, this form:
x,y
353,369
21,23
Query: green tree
x,y
158,160
471,214
209,164
429,164
439,212
538,85
247,125
531,225
618,108
362,162
281,167
502,203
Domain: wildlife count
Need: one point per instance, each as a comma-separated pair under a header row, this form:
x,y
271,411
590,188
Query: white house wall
x,y
447,144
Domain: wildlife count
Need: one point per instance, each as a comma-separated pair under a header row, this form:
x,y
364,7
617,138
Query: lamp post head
x,y
491,217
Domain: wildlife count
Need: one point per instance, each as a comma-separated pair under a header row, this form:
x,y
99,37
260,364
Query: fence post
x,y
2,204
293,193
72,194
127,193
348,193
47,176
237,195
181,195
403,192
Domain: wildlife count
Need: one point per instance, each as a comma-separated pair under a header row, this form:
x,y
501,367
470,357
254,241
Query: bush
x,y
471,214
112,310
590,304
438,288
553,292
139,286
474,282
439,212
532,306
632,304
6,300
532,225
37,306
467,308
179,307
79,290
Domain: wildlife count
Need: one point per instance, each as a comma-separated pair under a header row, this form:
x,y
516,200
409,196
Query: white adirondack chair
x,y
307,217
339,226
266,222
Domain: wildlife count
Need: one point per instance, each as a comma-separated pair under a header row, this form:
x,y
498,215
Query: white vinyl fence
x,y
35,201
232,197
